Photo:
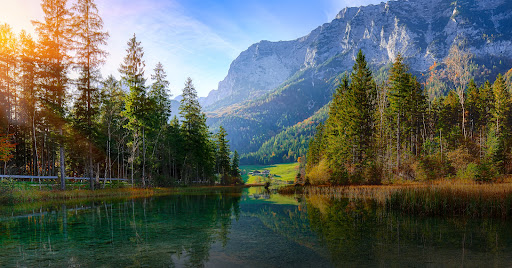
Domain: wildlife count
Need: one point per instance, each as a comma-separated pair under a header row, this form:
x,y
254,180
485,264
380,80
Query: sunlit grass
x,y
284,173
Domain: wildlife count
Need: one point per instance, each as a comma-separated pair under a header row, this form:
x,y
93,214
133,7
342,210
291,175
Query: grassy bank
x,y
14,193
439,199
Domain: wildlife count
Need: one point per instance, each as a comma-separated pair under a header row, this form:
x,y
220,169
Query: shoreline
x,y
19,196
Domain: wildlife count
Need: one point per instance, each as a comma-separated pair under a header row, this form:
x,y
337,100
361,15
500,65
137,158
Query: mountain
x,y
274,85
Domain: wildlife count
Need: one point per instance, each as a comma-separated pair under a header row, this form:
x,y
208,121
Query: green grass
x,y
282,173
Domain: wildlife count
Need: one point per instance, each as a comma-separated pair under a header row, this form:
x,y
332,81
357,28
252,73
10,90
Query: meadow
x,y
281,173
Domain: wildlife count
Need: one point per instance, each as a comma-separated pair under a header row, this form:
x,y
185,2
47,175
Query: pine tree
x,y
89,37
199,158
350,128
235,162
159,93
54,46
405,110
29,93
137,102
501,105
222,156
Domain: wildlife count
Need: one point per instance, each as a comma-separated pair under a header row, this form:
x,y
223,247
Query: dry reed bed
x,y
439,199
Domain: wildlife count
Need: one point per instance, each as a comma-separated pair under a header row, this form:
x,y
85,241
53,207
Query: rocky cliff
x,y
268,79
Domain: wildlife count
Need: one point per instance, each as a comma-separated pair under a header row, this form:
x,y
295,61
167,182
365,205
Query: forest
x,y
403,130
59,116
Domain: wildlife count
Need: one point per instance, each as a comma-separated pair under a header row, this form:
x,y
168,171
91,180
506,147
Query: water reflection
x,y
255,228
158,232
360,233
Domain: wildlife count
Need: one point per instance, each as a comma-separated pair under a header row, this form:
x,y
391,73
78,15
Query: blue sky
x,y
196,38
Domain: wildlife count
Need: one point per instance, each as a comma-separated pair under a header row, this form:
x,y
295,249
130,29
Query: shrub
x,y
373,173
433,167
6,191
470,172
485,172
319,174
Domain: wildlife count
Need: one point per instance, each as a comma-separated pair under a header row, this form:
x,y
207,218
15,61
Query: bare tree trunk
x,y
91,180
143,157
62,164
398,142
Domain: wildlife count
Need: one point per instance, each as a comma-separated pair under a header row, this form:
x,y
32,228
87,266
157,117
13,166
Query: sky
x,y
192,38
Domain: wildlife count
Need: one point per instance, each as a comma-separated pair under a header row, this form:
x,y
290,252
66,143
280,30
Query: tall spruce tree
x,y
55,34
235,163
350,128
222,156
405,109
29,94
89,37
137,102
199,158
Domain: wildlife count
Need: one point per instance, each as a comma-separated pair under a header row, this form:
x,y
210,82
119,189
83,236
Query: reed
x,y
442,198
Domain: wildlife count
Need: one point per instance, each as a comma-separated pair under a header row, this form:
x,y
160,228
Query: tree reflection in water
x,y
360,233
175,230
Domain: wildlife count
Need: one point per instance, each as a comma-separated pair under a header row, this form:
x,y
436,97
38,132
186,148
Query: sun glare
x,y
18,14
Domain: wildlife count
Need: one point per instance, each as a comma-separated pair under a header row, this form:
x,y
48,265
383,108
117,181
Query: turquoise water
x,y
243,229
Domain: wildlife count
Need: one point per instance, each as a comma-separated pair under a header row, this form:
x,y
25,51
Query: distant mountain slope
x,y
274,85
288,145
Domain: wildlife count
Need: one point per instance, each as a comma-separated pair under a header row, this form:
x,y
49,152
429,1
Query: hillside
x,y
275,85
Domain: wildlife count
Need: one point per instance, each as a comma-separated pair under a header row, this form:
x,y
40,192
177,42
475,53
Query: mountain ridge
x,y
274,85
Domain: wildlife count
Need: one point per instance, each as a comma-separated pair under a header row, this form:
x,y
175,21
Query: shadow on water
x,y
256,228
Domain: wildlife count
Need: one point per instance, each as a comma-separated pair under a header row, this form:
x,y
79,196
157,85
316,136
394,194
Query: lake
x,y
243,228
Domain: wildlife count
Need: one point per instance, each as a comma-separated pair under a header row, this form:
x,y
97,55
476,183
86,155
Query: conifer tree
x,y
222,157
137,102
350,128
55,34
406,103
199,157
501,105
235,162
89,37
29,93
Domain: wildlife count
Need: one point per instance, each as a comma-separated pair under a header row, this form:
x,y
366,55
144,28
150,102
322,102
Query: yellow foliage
x,y
319,174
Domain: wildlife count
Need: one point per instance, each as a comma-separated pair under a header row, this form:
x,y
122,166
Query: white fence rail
x,y
56,177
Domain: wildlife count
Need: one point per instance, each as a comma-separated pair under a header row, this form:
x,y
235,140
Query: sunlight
x,y
18,14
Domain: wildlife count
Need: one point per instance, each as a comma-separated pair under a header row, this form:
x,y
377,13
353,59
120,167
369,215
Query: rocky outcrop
x,y
274,85
421,30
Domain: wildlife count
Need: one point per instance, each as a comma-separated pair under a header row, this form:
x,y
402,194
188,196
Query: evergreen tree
x,y
350,128
89,37
222,156
199,158
54,46
235,170
137,102
406,104
29,94
159,93
501,105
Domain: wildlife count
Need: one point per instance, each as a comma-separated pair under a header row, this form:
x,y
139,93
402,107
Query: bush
x,y
485,172
470,172
6,191
433,167
319,174
372,174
